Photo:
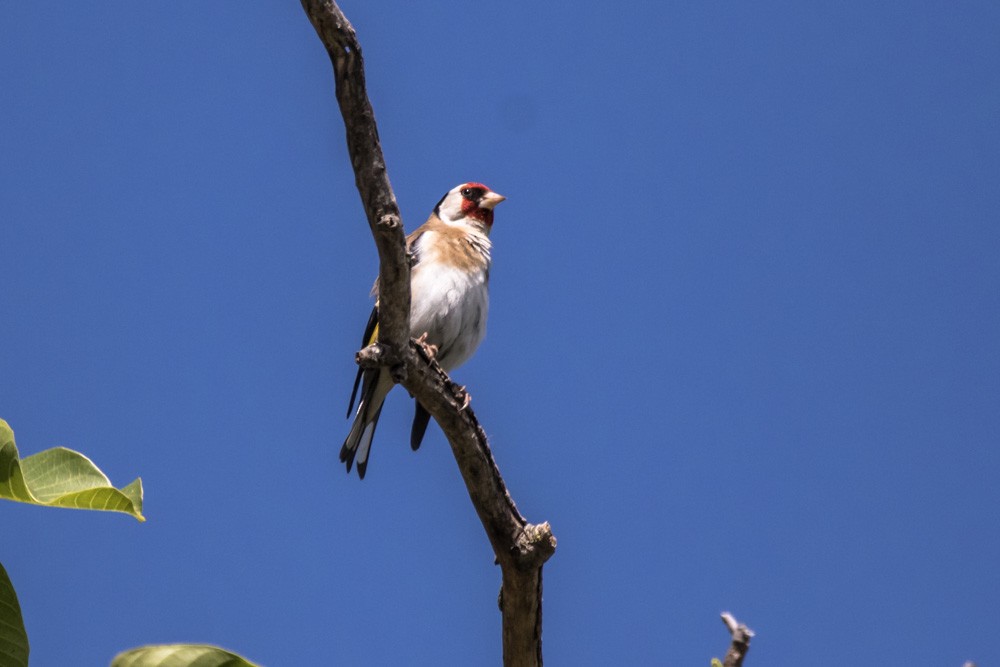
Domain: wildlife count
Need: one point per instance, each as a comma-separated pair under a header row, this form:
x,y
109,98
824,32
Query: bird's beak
x,y
490,199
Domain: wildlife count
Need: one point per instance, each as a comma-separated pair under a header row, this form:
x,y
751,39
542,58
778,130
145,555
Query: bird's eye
x,y
466,192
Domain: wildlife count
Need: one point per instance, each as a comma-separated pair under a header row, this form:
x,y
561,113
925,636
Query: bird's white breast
x,y
450,304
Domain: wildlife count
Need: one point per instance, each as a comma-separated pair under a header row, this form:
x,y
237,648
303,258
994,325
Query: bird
x,y
449,303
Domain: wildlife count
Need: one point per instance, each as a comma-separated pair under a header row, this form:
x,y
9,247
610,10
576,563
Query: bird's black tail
x,y
420,420
358,444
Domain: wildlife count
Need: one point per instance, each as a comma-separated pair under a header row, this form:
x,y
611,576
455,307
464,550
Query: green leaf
x,y
60,477
13,638
179,655
716,662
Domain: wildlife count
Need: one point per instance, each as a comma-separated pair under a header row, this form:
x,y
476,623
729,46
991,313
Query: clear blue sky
x,y
744,347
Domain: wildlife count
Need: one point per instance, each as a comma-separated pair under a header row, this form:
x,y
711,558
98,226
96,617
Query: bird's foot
x,y
431,350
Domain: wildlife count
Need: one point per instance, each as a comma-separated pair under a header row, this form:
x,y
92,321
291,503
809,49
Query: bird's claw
x,y
466,398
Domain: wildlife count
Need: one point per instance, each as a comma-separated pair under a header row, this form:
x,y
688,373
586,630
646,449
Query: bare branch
x,y
740,644
521,548
370,175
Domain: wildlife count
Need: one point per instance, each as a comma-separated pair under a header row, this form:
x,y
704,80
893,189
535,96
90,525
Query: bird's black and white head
x,y
468,203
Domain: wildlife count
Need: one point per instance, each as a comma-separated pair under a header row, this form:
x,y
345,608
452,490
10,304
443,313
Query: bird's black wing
x,y
371,333
371,330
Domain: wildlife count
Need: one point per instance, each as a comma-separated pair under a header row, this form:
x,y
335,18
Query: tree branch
x,y
521,548
740,644
370,175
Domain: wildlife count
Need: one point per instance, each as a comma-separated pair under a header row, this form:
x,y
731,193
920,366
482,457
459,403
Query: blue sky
x,y
744,347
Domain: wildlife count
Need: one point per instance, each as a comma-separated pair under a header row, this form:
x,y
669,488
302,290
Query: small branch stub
x,y
740,643
372,356
390,222
534,546
378,355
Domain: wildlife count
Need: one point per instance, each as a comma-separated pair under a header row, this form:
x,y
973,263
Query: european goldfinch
x,y
449,302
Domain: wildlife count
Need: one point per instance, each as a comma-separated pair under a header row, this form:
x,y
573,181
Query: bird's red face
x,y
470,200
